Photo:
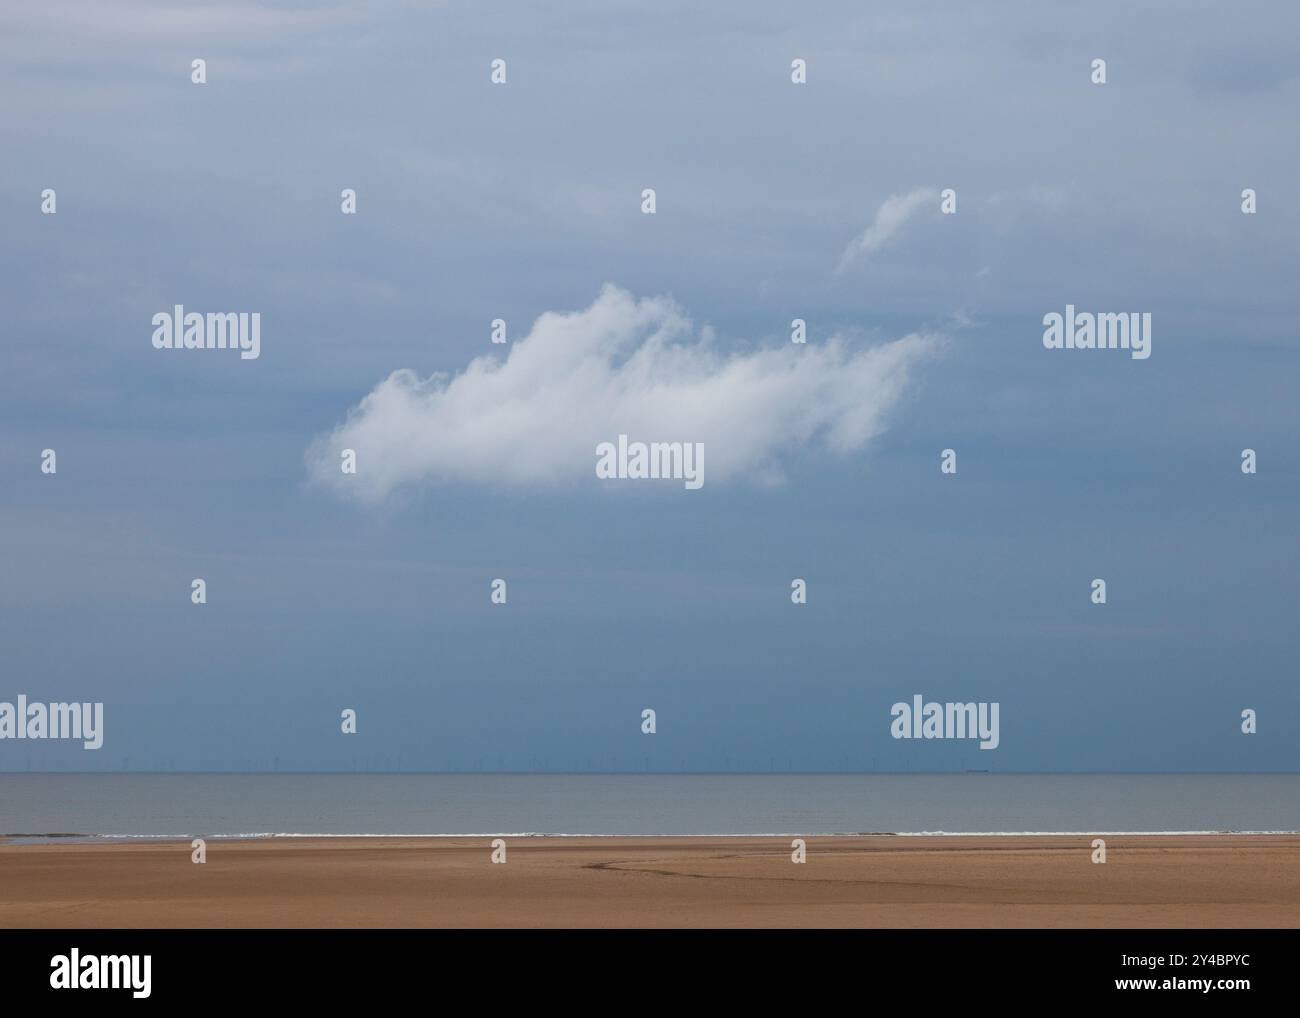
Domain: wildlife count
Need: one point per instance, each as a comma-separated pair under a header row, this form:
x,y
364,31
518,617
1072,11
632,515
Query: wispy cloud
x,y
621,366
893,213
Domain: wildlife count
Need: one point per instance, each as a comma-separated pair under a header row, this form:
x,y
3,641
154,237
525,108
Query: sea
x,y
43,807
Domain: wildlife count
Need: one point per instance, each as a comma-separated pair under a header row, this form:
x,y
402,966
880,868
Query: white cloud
x,y
896,210
621,366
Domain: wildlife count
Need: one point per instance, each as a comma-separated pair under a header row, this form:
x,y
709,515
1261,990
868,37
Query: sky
x,y
522,201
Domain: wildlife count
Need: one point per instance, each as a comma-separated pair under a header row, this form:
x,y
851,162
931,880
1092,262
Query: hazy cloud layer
x,y
621,366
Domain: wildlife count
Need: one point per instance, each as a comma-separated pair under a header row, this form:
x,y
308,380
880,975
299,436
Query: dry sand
x,y
1177,881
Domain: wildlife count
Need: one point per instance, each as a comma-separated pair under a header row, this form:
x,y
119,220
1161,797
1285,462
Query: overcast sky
x,y
775,201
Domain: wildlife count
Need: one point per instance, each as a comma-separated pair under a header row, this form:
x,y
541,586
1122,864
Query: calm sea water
x,y
188,805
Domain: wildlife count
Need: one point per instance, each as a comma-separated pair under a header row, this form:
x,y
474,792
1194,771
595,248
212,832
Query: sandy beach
x,y
866,881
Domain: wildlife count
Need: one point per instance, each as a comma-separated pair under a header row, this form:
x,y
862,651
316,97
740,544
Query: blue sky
x,y
478,201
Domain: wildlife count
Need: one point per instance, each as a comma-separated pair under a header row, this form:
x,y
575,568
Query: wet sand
x,y
868,881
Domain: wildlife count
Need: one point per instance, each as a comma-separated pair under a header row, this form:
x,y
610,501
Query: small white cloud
x,y
622,366
896,210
